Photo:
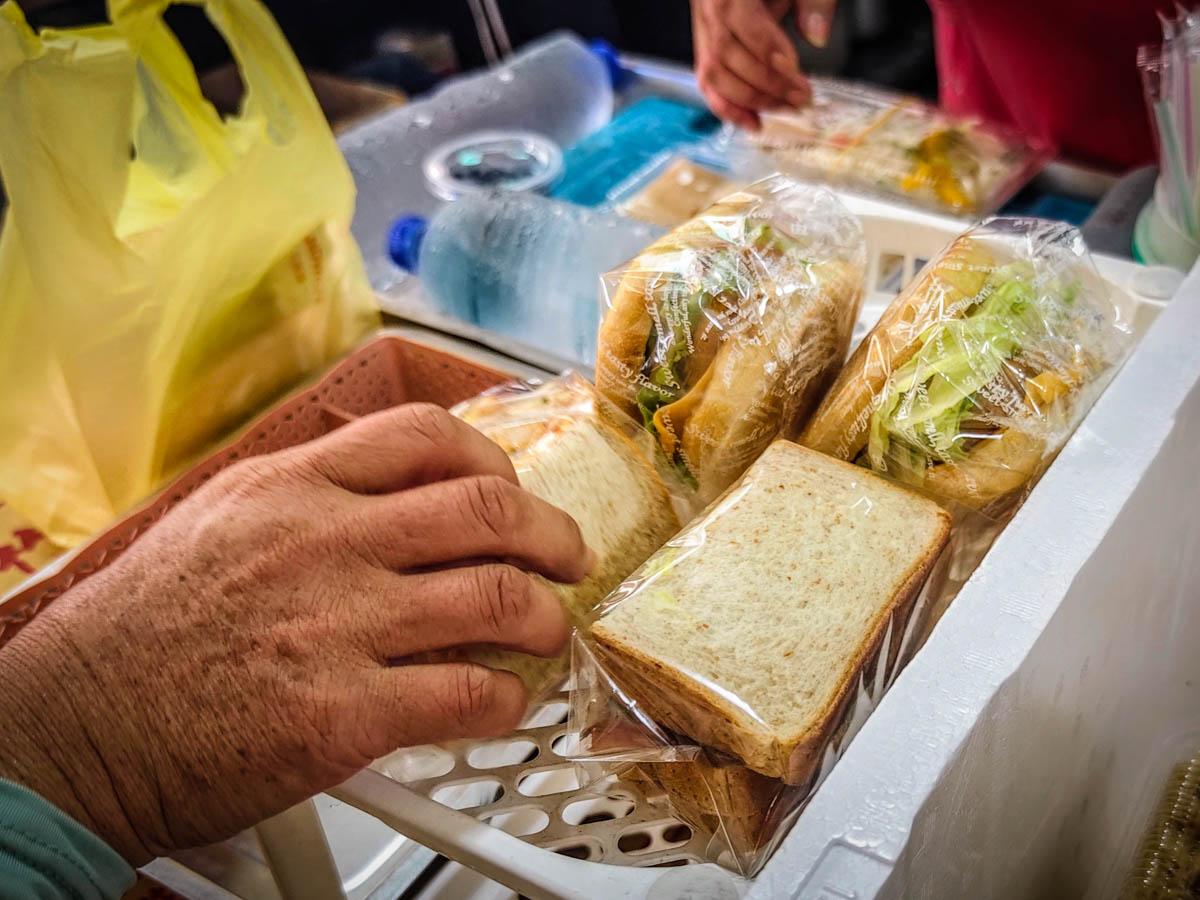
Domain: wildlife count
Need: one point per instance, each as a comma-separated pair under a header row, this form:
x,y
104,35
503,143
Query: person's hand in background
x,y
745,62
240,656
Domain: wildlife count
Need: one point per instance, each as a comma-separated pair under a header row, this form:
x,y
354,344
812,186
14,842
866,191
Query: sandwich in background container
x,y
669,190
898,147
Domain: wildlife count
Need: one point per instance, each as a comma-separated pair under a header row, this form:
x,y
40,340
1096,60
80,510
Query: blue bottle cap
x,y
404,241
608,55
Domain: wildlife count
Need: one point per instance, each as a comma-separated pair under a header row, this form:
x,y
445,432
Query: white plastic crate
x,y
917,761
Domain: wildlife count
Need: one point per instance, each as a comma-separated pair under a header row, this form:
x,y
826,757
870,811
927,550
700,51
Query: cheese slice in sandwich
x,y
569,447
748,632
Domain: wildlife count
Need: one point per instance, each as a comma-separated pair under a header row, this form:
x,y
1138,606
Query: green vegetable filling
x,y
922,417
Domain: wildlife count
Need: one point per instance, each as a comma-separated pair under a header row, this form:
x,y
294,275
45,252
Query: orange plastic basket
x,y
384,372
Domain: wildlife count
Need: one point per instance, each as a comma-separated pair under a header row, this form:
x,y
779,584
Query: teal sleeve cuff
x,y
47,855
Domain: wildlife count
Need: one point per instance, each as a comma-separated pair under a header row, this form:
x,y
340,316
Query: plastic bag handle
x,y
275,85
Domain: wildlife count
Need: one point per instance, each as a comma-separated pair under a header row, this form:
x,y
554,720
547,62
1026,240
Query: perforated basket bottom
x,y
524,786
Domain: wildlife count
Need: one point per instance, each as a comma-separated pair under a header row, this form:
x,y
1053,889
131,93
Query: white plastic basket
x,y
844,844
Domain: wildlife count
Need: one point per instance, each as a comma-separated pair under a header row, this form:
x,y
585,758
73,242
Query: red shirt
x,y
1064,71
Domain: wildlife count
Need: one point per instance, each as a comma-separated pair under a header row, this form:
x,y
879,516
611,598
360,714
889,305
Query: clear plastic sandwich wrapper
x,y
723,334
897,147
979,371
734,667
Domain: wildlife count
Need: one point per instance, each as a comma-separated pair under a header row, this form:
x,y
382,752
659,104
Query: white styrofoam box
x,y
1009,758
886,812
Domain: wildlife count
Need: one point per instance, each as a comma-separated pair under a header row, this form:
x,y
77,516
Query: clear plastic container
x,y
555,87
900,147
520,265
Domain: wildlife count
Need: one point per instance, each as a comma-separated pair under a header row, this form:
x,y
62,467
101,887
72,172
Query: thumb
x,y
814,20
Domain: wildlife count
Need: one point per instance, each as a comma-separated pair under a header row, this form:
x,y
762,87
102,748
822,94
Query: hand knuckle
x,y
505,597
472,690
429,421
248,477
491,502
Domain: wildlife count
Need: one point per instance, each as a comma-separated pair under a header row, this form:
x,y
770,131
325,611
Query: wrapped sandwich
x,y
899,147
758,638
572,449
722,335
978,372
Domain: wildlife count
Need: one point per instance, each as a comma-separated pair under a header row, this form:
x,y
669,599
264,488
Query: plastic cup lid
x,y
493,160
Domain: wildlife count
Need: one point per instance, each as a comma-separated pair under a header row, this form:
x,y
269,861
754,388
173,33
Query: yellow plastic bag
x,y
164,273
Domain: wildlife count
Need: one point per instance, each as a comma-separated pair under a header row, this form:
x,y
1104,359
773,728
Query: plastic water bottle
x,y
557,87
521,265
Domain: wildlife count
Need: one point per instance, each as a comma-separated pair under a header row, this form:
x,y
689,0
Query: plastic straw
x,y
1171,83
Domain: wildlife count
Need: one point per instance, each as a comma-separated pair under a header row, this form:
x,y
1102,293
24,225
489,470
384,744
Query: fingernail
x,y
816,29
590,559
799,98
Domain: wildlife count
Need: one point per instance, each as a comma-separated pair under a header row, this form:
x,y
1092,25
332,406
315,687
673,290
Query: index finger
x,y
402,447
754,26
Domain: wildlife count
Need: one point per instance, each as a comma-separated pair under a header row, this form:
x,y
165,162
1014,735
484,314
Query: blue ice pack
x,y
606,158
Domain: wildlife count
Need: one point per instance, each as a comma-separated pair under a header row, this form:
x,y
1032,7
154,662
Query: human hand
x,y
235,660
745,63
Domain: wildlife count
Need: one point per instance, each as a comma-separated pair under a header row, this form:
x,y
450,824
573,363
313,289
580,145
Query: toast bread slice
x,y
753,626
727,799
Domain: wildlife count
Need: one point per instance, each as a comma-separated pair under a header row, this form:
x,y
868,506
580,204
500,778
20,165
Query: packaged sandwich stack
x,y
723,334
736,664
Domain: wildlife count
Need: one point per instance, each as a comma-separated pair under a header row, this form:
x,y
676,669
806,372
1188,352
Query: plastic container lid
x,y
493,160
404,241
